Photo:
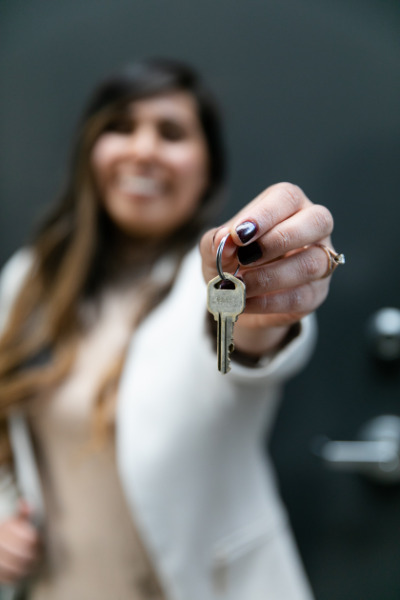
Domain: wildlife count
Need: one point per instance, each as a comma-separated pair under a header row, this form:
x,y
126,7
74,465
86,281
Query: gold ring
x,y
334,259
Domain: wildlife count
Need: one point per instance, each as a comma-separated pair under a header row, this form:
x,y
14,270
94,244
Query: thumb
x,y
24,510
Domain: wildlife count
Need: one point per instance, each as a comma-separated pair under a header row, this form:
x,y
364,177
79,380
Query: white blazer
x,y
191,451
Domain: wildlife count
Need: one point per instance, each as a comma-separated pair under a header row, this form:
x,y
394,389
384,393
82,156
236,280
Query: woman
x,y
105,324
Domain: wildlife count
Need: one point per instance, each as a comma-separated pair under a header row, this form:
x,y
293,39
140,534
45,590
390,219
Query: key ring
x,y
219,259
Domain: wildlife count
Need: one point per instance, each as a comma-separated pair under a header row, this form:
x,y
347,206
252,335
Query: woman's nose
x,y
143,143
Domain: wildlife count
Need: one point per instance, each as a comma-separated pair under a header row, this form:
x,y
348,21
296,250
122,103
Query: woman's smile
x,y
138,185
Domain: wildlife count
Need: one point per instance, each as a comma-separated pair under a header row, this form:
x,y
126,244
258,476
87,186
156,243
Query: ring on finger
x,y
334,259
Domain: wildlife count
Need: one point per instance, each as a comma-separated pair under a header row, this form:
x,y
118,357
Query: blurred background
x,y
310,90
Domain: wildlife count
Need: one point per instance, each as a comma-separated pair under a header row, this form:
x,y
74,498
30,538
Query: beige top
x,y
94,549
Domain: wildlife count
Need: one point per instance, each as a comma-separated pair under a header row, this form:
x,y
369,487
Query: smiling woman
x,y
151,167
154,482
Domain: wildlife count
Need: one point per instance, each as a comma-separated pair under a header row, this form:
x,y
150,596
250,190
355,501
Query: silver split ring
x,y
219,258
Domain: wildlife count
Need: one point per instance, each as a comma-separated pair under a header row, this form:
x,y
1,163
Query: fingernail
x,y
229,285
246,231
249,254
226,285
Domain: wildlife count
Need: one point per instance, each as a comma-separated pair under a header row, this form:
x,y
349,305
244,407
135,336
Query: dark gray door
x,y
347,524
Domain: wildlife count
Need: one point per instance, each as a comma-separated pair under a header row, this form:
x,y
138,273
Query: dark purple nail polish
x,y
249,254
246,231
226,285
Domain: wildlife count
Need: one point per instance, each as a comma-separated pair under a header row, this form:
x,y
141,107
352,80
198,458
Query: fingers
x,y
278,222
273,206
313,224
293,303
300,268
19,547
274,239
289,288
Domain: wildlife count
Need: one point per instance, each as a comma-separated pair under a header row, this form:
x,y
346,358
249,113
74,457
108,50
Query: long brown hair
x,y
71,250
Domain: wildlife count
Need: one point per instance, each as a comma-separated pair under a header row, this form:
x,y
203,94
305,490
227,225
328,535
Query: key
x,y
226,303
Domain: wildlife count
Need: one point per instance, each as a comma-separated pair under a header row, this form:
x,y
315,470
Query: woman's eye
x,y
122,125
171,131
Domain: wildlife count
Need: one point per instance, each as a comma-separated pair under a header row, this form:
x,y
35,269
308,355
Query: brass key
x,y
226,300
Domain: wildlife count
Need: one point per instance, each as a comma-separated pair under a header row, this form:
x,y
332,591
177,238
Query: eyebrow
x,y
169,113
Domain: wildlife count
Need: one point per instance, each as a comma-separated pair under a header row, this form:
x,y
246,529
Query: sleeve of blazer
x,y
288,361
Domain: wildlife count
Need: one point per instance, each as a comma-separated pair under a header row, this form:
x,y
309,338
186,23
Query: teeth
x,y
143,186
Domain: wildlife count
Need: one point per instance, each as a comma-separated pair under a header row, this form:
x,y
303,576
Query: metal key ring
x,y
219,258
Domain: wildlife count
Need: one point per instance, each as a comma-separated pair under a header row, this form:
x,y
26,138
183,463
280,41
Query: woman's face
x,y
152,168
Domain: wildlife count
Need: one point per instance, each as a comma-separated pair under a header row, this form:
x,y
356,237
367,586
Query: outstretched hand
x,y
287,275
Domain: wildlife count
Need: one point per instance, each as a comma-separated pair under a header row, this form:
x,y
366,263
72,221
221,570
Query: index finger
x,y
275,204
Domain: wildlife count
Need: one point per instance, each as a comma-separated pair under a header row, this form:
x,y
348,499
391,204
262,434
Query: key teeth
x,y
230,348
225,371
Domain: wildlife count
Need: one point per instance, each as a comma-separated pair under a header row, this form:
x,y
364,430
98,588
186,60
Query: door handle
x,y
376,454
383,335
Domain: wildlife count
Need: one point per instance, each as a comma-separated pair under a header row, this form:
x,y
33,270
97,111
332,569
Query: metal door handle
x,y
376,454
